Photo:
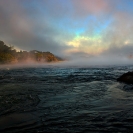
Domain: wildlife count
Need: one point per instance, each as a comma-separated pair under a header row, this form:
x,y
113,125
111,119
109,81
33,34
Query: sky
x,y
70,28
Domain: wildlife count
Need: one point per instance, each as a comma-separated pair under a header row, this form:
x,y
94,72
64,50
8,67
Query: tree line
x,y
9,55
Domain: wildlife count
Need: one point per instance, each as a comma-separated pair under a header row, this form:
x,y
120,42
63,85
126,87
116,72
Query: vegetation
x,y
9,55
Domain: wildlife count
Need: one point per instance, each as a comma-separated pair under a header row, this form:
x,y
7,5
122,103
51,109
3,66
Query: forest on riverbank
x,y
8,54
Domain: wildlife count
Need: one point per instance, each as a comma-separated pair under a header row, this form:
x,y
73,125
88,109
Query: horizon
x,y
98,31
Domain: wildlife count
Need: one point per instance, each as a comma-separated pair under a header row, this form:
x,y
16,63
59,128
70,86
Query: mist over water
x,y
97,61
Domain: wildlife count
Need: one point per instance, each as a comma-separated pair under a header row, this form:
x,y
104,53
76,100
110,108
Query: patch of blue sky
x,y
31,5
88,20
47,7
79,31
101,27
125,5
78,27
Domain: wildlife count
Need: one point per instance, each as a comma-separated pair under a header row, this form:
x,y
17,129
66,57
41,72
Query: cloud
x,y
20,29
83,28
86,7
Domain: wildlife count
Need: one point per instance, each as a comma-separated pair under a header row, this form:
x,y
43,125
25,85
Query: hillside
x,y
9,55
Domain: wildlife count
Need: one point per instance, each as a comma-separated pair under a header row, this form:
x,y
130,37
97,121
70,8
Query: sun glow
x,y
80,40
91,45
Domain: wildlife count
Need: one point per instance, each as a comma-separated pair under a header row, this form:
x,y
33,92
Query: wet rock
x,y
126,78
128,87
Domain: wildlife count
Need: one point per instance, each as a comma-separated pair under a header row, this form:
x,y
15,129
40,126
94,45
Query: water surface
x,y
58,99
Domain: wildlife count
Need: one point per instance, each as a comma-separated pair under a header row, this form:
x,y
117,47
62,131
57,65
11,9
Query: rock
x,y
126,78
128,87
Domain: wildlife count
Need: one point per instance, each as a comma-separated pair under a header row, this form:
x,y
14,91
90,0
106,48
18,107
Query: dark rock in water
x,y
128,87
126,78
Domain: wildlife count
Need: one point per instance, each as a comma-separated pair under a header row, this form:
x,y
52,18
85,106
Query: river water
x,y
65,100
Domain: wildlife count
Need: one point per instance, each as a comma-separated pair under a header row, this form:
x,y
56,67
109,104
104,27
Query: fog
x,y
81,62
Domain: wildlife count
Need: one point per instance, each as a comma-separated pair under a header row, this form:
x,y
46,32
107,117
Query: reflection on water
x,y
65,100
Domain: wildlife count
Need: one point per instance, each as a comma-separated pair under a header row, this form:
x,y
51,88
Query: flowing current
x,y
65,100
